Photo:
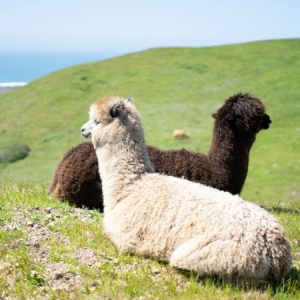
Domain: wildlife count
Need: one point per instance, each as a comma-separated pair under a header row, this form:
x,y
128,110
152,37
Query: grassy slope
x,y
38,232
173,88
2,92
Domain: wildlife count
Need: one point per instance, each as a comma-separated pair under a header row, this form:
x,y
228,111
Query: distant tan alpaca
x,y
179,133
192,226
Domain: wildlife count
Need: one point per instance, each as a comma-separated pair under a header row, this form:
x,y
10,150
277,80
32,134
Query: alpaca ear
x,y
117,109
130,99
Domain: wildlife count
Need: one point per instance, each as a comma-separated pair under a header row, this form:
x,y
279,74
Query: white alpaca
x,y
192,226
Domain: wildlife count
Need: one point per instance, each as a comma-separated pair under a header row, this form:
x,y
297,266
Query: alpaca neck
x,y
231,153
120,165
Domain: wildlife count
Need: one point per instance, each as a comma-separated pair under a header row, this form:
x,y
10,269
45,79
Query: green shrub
x,y
12,153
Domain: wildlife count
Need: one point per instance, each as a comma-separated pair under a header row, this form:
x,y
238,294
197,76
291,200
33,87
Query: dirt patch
x,y
59,276
87,256
36,223
36,231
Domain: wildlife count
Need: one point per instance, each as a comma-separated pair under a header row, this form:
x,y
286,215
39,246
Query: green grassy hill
x,y
173,88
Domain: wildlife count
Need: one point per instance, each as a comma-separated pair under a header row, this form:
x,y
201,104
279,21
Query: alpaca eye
x,y
96,122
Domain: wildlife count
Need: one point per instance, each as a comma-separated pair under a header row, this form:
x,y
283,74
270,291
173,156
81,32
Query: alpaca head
x,y
113,119
242,113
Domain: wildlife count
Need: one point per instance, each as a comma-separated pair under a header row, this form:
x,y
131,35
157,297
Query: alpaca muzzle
x,y
266,121
86,129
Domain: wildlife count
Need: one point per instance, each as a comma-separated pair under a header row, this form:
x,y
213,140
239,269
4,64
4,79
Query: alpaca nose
x,y
84,132
266,121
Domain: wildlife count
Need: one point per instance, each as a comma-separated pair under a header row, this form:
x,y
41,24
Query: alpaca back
x,y
77,179
196,167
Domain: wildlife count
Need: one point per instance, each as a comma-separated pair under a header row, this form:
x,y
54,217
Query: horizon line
x,y
135,49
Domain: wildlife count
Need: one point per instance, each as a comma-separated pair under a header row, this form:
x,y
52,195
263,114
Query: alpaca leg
x,y
206,256
56,190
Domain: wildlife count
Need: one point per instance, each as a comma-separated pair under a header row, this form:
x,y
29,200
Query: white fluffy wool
x,y
192,226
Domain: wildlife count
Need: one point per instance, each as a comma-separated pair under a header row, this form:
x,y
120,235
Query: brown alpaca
x,y
237,122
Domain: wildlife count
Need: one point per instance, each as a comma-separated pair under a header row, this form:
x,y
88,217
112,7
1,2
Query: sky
x,y
115,26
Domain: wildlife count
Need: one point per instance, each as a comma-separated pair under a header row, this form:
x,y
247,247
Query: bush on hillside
x,y
13,153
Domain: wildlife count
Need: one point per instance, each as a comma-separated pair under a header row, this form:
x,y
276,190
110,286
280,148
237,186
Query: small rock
x,y
4,265
97,282
33,273
48,210
155,271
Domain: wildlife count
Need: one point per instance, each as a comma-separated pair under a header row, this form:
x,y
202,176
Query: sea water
x,y
26,67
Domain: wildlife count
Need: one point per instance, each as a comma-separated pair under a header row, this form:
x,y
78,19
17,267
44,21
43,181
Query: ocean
x,y
26,67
